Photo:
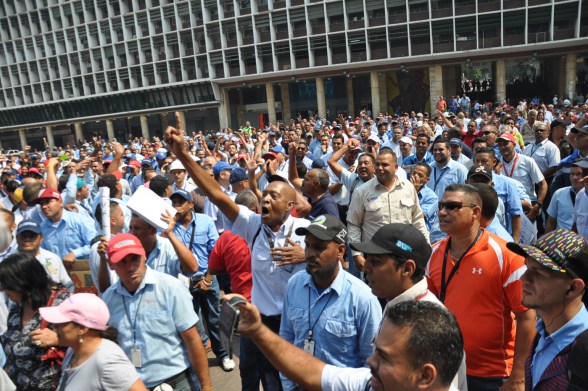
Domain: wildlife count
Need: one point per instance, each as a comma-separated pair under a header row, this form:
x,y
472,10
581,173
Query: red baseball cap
x,y
117,174
122,245
47,194
135,163
508,137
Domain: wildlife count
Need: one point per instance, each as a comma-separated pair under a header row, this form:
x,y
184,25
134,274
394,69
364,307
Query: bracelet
x,y
209,388
207,282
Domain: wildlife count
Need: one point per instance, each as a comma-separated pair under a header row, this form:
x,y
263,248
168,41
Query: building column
x,y
375,87
571,70
271,103
241,110
78,131
320,97
500,81
286,106
223,109
109,129
23,138
383,92
435,85
144,126
350,100
50,139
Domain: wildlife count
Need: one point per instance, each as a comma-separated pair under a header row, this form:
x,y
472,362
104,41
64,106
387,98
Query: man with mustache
x,y
477,278
418,348
329,313
277,253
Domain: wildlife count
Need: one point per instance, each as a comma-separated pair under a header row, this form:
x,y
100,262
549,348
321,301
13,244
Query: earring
x,y
81,340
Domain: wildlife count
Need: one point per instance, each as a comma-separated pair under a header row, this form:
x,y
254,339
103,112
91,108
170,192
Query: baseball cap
x,y
583,129
318,163
239,157
86,309
325,227
80,183
478,169
34,170
239,174
220,167
277,149
399,239
122,245
507,137
374,138
146,162
176,165
182,193
560,250
276,178
160,156
581,162
455,141
270,154
47,194
135,163
405,140
28,225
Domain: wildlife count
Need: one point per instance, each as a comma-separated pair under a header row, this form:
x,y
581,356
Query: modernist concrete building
x,y
69,68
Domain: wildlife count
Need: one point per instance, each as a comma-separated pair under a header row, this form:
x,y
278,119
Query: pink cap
x,y
508,137
85,309
48,194
122,245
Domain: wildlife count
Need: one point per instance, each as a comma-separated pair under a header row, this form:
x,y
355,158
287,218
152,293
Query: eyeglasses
x,y
453,205
539,130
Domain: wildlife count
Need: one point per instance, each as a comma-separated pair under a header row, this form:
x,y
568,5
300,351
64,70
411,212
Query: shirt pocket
x,y
373,211
297,319
404,211
340,335
157,319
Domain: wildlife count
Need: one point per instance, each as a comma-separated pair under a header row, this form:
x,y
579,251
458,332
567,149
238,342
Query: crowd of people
x,y
435,251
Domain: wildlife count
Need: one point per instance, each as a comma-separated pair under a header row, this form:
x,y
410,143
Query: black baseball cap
x,y
399,239
478,169
326,227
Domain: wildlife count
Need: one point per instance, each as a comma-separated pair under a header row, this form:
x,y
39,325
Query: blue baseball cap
x,y
220,167
318,163
146,162
277,149
28,225
239,174
80,183
182,193
160,156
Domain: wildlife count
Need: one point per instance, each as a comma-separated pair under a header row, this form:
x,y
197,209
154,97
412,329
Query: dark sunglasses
x,y
539,130
453,205
487,132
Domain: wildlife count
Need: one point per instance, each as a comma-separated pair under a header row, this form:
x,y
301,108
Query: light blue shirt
x,y
496,228
561,208
164,258
2,357
346,317
205,236
151,320
412,159
511,195
453,173
550,345
73,233
430,206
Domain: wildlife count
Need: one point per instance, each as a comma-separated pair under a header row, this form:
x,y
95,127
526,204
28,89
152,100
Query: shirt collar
x,y
149,279
411,293
337,285
568,332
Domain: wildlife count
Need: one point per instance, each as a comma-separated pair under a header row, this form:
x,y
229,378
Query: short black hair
x,y
489,199
159,184
108,180
434,337
425,166
469,190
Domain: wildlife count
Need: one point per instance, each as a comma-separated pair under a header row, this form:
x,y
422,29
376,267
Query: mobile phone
x,y
229,320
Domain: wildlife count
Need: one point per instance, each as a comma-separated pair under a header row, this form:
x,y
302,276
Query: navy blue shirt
x,y
326,205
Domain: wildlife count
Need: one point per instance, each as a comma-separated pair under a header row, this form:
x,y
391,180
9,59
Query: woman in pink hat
x,y
94,361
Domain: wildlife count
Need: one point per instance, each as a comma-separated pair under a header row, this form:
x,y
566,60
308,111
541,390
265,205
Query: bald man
x,y
277,253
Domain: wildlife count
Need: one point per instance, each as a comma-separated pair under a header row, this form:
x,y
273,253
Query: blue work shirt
x,y
164,258
346,318
205,237
326,205
550,345
73,233
452,173
561,207
496,228
151,320
430,205
412,159
511,196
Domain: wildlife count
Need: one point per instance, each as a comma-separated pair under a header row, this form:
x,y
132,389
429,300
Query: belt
x,y
174,380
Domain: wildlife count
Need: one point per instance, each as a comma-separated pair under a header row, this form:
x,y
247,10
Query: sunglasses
x,y
453,205
486,133
539,130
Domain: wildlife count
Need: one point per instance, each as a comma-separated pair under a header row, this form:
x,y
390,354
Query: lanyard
x,y
514,164
445,283
270,236
310,328
535,147
133,322
443,171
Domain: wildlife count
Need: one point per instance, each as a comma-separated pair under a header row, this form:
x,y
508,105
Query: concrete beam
x,y
109,129
375,87
78,130
320,97
144,126
271,102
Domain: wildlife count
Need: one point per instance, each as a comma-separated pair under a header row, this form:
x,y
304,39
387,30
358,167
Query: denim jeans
x,y
485,383
254,367
209,303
